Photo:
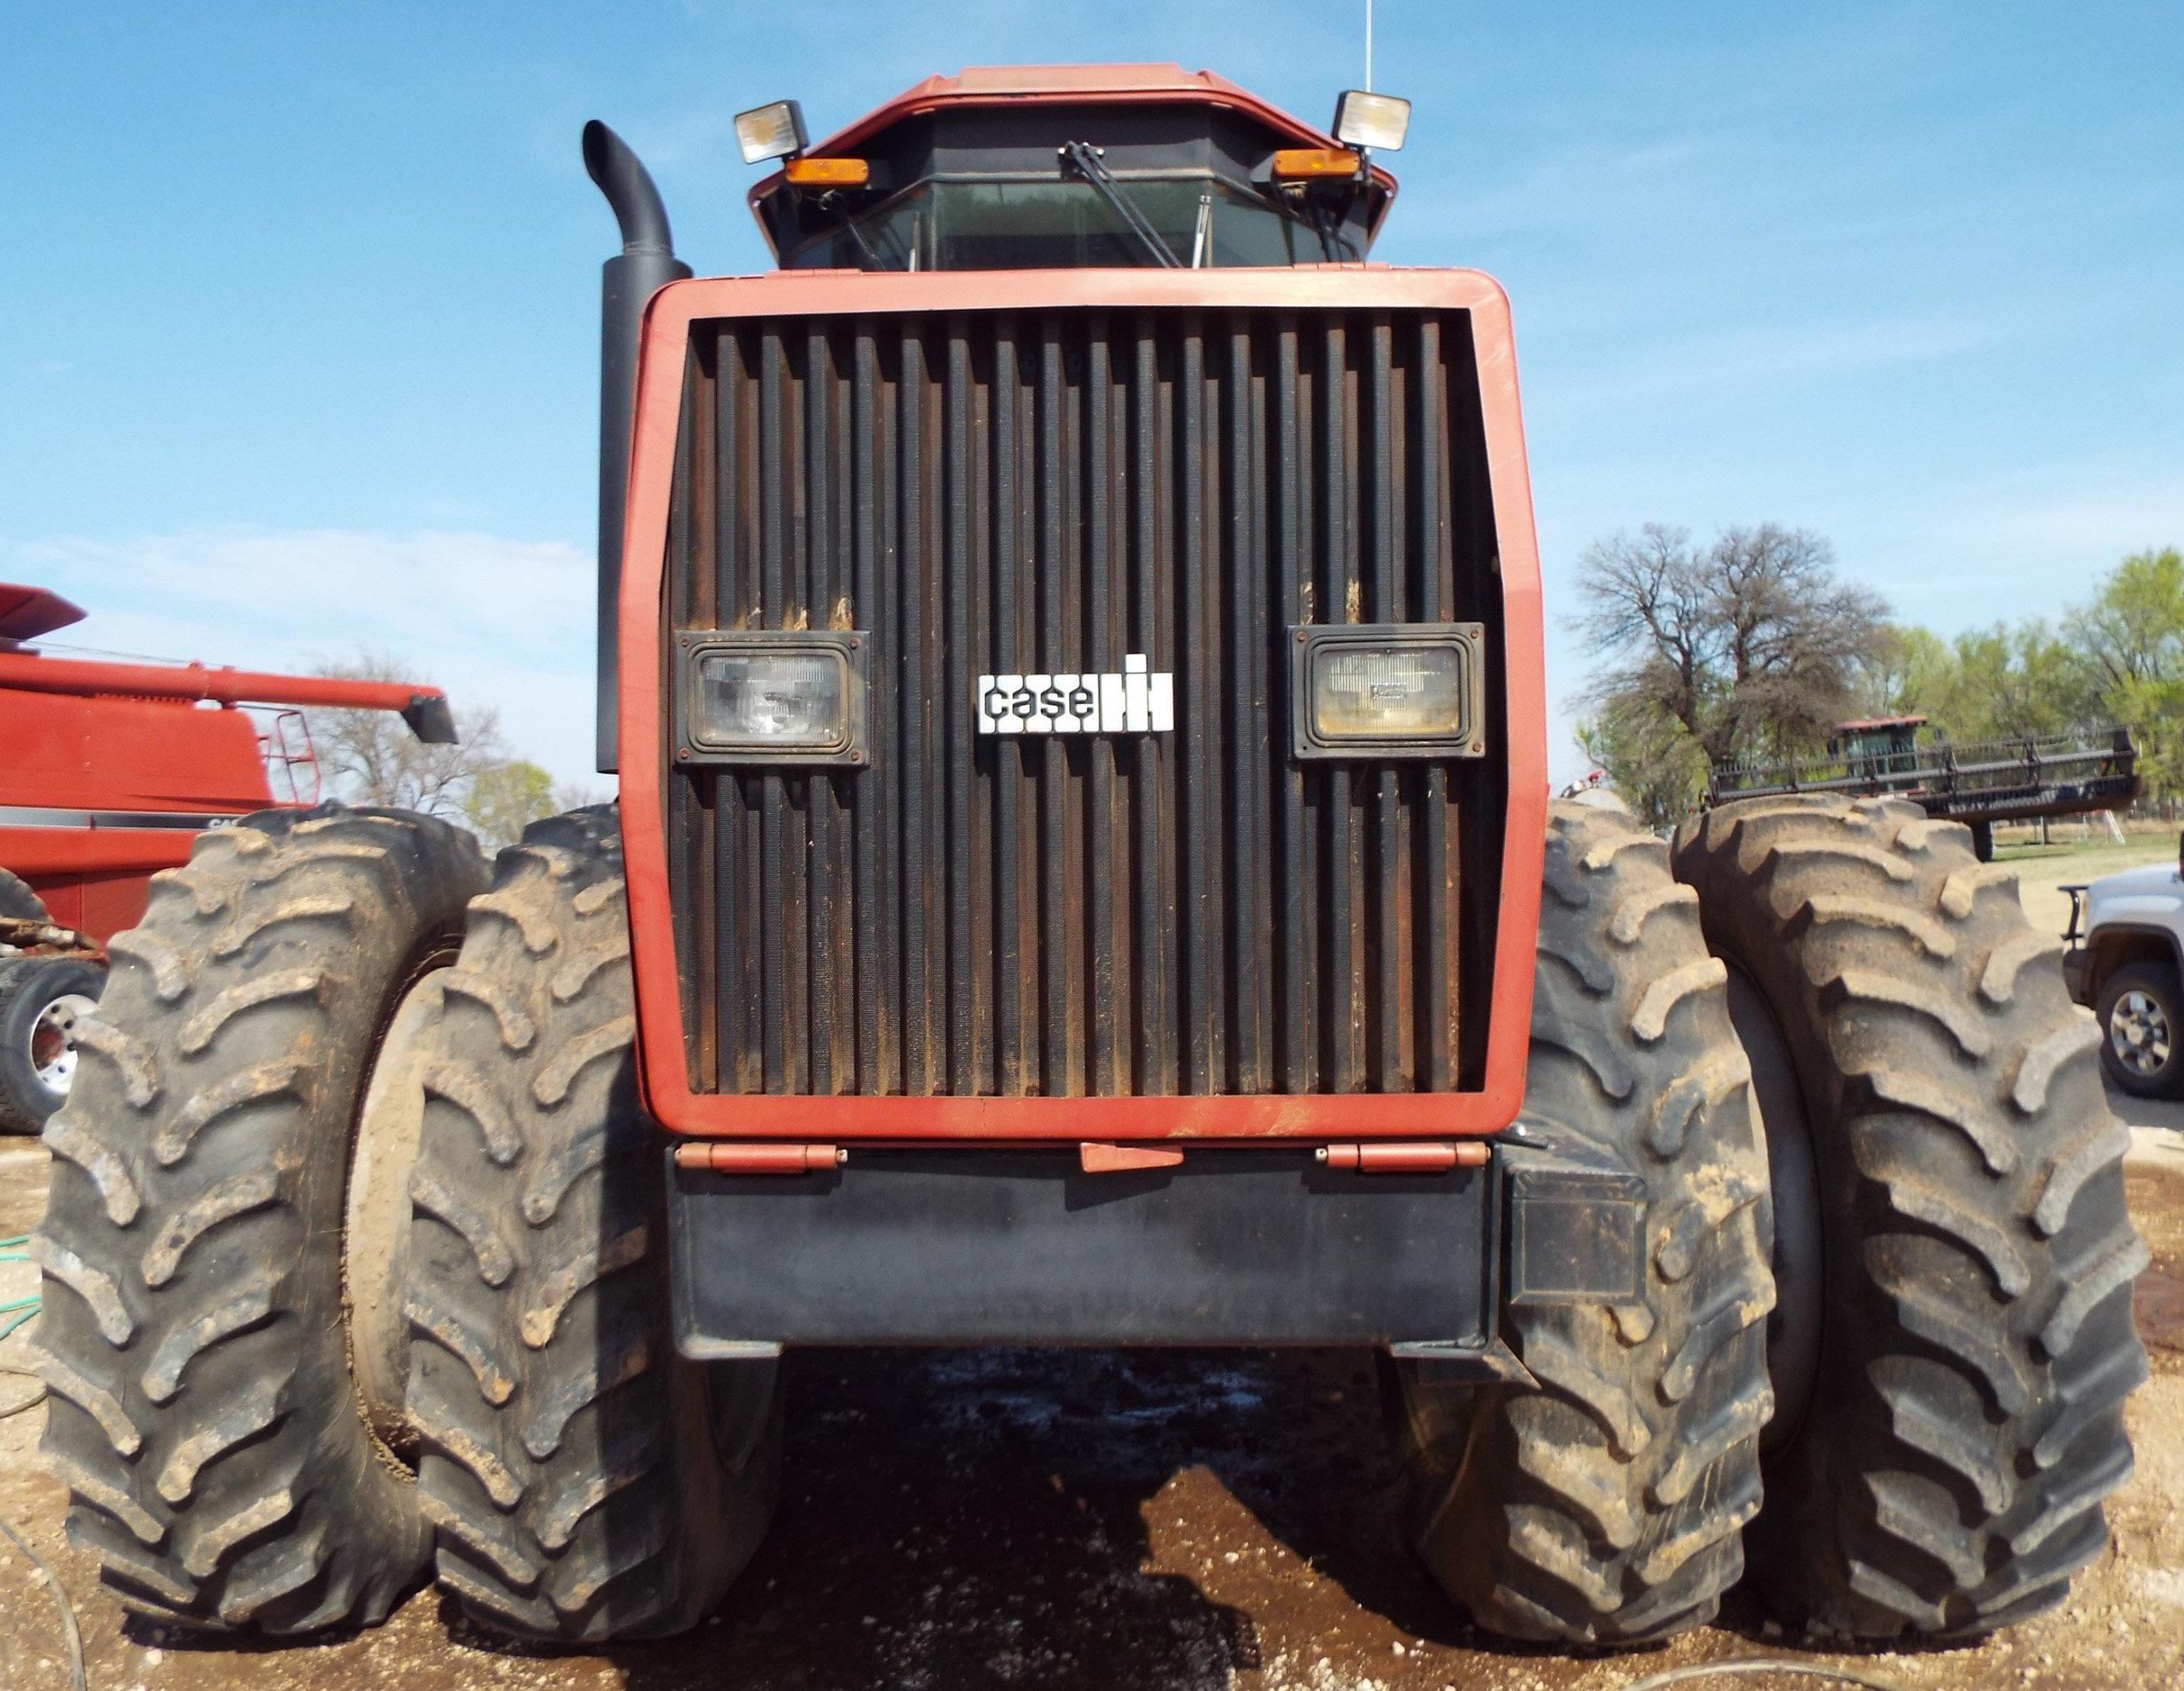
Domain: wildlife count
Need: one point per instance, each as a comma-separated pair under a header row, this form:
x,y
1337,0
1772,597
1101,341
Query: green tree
x,y
505,798
2119,657
1653,762
1908,668
2130,640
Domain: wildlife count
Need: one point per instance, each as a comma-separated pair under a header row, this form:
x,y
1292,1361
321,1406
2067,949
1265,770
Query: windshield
x,y
1063,224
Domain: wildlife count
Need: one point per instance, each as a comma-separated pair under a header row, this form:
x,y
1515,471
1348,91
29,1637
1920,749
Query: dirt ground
x,y
1102,1520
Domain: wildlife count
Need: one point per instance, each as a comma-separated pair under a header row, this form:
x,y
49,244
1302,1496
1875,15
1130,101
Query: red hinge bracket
x,y
745,1158
1436,1156
1103,1159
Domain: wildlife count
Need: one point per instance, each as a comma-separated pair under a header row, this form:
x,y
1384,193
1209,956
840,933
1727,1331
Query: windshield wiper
x,y
1335,246
1094,170
848,223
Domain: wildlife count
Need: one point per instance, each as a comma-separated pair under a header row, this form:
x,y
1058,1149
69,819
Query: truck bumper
x,y
1023,1247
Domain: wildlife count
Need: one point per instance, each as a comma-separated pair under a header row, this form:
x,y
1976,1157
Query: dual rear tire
x,y
258,1432
1935,1232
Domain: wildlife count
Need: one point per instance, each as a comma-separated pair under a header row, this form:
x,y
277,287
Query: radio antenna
x,y
1368,46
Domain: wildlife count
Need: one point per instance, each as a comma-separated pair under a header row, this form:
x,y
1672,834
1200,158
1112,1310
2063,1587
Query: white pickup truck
x,y
2124,959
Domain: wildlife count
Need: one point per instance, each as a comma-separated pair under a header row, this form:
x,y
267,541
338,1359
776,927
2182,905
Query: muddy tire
x,y
19,901
1605,1506
585,1481
1974,1334
204,1415
40,1000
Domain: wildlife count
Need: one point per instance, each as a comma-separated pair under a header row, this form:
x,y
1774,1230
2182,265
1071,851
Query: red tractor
x,y
108,774
1071,646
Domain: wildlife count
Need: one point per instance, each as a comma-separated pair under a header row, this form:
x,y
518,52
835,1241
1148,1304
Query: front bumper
x,y
1010,1247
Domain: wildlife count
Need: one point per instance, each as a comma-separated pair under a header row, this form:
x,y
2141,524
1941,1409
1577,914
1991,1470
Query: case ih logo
x,y
1135,702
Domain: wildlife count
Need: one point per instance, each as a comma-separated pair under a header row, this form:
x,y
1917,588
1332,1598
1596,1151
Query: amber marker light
x,y
829,173
1310,164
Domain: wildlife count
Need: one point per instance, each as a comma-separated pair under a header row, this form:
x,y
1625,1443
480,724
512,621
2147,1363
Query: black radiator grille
x,y
1046,492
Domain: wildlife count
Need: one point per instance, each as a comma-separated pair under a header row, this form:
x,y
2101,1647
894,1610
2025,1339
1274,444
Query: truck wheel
x,y
1605,1506
41,999
585,1481
1963,1198
2141,1017
227,1464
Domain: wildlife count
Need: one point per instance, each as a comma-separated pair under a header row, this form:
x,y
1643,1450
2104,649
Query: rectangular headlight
x,y
771,131
770,697
1369,690
1371,120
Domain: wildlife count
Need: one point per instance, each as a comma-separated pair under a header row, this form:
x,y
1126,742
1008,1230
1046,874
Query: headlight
x,y
768,697
1371,120
771,131
1387,690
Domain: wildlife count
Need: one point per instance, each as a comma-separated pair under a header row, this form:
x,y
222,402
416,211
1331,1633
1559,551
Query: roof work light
x,y
771,131
1363,118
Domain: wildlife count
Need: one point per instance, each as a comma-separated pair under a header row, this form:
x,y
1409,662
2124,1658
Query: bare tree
x,y
371,757
1750,644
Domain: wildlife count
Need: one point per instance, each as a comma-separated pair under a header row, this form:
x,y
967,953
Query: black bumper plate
x,y
1232,1247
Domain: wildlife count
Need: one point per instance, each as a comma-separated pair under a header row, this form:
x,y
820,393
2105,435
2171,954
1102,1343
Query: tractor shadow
x,y
998,1517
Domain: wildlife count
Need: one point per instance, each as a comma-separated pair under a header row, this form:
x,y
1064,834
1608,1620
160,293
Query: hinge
x,y
748,1158
1434,1156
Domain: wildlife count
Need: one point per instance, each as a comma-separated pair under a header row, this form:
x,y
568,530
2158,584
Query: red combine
x,y
112,770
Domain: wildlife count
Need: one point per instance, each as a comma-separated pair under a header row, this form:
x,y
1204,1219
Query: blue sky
x,y
297,333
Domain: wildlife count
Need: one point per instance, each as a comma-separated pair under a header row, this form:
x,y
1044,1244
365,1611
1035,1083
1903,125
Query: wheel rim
x,y
2139,1033
375,1226
1793,1178
53,1041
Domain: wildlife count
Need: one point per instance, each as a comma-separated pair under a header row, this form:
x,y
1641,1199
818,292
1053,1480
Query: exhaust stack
x,y
628,281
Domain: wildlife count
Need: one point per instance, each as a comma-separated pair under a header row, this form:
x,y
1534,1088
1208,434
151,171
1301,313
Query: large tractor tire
x,y
586,1482
1949,1186
232,1461
19,900
1604,1506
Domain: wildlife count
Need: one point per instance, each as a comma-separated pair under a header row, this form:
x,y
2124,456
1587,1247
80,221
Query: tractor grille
x,y
1044,493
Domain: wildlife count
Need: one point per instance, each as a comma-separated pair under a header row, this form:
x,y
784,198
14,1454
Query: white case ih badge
x,y
1132,702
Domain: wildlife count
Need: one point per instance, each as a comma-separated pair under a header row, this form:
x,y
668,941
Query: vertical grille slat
x,y
913,656
1155,941
1337,605
1055,866
1244,579
1106,976
1048,493
1293,867
820,596
1387,891
1437,891
961,773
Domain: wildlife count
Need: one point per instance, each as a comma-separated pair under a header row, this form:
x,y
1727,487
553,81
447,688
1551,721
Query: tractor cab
x,y
1048,168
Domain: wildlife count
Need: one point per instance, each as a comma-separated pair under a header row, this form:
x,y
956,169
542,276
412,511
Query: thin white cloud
x,y
496,621
1735,359
1588,186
